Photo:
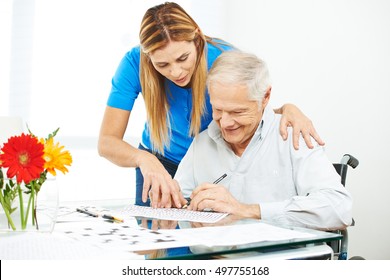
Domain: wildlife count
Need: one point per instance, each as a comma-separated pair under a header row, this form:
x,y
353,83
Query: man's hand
x,y
219,199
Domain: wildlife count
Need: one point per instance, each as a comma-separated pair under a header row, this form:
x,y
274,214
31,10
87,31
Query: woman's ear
x,y
198,37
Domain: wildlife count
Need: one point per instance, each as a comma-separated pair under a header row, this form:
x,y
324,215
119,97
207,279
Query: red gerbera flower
x,y
23,155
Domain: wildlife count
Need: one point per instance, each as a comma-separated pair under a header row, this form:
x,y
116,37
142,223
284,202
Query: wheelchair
x,y
340,247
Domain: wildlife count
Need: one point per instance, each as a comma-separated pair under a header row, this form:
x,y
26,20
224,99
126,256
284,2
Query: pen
x,y
187,204
215,182
85,211
220,179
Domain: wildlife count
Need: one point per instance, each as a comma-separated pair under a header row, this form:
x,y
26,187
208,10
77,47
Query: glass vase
x,y
31,210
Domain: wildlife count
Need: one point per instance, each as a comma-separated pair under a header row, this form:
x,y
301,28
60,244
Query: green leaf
x,y
1,179
9,195
53,134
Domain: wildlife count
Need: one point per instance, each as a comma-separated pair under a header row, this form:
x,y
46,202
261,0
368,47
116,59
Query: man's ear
x,y
266,97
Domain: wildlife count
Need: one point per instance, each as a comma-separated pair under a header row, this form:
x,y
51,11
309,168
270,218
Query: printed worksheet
x,y
128,238
56,246
124,237
174,214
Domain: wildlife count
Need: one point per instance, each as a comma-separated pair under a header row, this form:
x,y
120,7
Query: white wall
x,y
332,59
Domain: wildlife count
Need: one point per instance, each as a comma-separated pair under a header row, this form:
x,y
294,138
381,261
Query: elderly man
x,y
266,177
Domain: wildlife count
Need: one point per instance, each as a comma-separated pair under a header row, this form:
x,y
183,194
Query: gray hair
x,y
240,68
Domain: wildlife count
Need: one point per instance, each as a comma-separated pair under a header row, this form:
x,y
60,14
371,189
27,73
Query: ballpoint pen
x,y
220,179
85,211
215,182
187,204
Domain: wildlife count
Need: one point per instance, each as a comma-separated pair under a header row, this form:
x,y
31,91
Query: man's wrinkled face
x,y
237,116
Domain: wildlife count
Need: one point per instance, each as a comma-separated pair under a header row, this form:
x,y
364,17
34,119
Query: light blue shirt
x,y
125,90
291,187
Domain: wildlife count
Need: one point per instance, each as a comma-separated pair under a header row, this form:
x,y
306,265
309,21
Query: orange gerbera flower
x,y
55,158
23,155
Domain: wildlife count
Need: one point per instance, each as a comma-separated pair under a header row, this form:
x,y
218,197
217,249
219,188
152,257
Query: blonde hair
x,y
160,25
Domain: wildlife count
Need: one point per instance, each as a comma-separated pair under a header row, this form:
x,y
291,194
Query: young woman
x,y
169,68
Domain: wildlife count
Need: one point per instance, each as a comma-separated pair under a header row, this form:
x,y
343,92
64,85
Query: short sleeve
x,y
125,85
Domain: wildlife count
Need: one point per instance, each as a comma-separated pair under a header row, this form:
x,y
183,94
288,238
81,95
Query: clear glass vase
x,y
31,211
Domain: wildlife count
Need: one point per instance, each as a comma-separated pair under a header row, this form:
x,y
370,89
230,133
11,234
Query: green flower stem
x,y
33,213
22,221
11,223
27,210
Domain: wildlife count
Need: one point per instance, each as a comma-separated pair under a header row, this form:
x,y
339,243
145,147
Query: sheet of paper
x,y
99,239
129,238
123,237
239,234
68,214
172,214
53,246
78,236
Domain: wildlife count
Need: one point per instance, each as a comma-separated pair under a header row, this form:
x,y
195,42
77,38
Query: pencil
x,y
105,216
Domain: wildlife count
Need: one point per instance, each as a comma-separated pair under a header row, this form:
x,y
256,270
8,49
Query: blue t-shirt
x,y
126,87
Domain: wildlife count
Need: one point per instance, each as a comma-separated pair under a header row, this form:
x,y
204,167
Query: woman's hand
x,y
292,116
158,184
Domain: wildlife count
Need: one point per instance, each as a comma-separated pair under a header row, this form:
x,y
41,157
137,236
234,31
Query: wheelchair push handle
x,y
350,160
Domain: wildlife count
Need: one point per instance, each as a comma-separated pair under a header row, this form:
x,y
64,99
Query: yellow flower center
x,y
48,158
23,158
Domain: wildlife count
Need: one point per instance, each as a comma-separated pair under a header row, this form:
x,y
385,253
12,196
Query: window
x,y
59,57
